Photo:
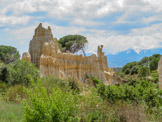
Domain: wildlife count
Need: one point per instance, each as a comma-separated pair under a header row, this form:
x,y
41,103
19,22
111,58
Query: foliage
x,y
10,112
4,73
136,92
15,94
18,73
144,71
155,76
126,69
8,54
154,64
51,82
73,84
3,89
21,72
133,68
58,106
73,43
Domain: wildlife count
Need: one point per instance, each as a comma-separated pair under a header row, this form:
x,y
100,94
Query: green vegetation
x,y
21,71
8,54
18,72
147,64
24,96
72,43
10,112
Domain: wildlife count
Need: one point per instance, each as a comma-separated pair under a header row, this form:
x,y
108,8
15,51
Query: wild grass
x,y
10,112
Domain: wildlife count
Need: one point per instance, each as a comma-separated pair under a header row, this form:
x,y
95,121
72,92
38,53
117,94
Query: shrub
x,y
155,76
4,73
73,84
137,92
51,82
3,88
15,93
64,84
144,71
21,72
58,106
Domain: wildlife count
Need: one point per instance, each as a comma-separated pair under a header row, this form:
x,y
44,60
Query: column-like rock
x,y
160,72
26,56
41,36
46,55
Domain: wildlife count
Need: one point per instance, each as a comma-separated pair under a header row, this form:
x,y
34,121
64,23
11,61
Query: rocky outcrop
x,y
41,36
160,72
26,57
46,55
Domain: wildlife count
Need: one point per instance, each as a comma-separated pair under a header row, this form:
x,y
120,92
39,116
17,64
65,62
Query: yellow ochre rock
x,y
46,55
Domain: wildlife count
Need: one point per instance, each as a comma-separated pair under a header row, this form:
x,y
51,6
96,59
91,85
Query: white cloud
x,y
85,22
84,13
12,20
76,9
138,39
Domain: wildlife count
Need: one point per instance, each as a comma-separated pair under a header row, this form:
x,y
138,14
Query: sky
x,y
128,29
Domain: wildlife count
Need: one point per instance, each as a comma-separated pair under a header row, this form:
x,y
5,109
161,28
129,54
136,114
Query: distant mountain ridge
x,y
127,56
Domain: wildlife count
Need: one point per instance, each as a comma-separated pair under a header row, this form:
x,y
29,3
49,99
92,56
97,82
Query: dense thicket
x,y
18,72
143,67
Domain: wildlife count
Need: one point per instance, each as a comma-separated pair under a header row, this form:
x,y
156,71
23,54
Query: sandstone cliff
x,y
160,73
41,36
46,55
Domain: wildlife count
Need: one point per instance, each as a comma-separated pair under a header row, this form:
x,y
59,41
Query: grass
x,y
10,112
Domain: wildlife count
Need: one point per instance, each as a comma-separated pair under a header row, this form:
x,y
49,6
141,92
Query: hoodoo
x,y
46,55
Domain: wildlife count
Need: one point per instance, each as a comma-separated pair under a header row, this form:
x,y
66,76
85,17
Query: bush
x,y
64,84
21,72
3,88
154,64
144,71
58,106
4,73
155,76
51,82
73,84
137,92
15,93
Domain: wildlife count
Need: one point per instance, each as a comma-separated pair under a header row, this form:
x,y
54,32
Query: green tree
x,y
73,43
154,64
8,54
21,72
128,67
144,71
4,72
134,70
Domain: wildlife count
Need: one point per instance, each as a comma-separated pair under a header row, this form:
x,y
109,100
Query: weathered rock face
x,y
46,55
26,57
41,36
160,73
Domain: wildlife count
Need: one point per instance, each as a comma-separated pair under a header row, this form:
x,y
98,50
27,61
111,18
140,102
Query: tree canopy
x,y
8,54
20,72
145,64
73,43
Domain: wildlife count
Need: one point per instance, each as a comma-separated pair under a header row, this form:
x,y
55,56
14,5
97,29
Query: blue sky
x,y
126,28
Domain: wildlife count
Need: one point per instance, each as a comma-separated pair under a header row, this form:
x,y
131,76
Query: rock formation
x,y
41,36
160,73
46,55
26,56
